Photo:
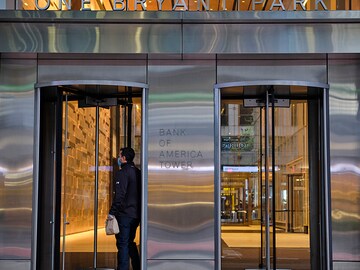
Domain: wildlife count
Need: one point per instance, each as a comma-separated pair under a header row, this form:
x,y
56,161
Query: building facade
x,y
244,115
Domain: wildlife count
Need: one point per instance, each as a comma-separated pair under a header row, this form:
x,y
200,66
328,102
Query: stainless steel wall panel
x,y
181,161
344,100
276,68
85,68
180,265
90,38
176,33
271,38
346,265
17,78
14,265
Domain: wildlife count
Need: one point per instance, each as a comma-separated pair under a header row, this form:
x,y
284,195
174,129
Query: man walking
x,y
126,207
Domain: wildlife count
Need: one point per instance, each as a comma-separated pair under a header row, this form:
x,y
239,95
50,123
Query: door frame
x,y
325,236
36,166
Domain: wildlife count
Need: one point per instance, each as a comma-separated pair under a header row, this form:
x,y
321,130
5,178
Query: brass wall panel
x,y
14,265
17,78
344,83
181,161
85,67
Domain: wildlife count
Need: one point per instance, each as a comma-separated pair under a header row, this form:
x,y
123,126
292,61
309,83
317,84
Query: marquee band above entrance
x,y
181,5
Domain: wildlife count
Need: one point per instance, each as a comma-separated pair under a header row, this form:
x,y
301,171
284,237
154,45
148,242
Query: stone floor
x,y
240,249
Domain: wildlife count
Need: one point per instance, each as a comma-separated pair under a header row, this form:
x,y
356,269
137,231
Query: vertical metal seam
x,y
267,207
35,195
217,181
327,179
144,162
273,176
96,184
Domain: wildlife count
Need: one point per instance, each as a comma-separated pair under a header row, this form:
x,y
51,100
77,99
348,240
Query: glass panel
x,y
78,179
243,185
240,188
106,245
122,123
78,183
135,128
292,186
213,5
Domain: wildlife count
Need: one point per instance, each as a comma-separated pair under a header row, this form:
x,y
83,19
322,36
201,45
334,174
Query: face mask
x,y
119,161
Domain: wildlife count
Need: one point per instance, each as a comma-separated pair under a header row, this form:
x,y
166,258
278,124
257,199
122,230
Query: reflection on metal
x,y
15,264
16,161
89,66
180,193
269,82
344,157
173,33
267,190
144,170
264,38
326,176
35,186
279,67
236,91
89,82
217,182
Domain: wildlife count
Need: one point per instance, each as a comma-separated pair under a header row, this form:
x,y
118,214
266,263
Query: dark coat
x,y
127,199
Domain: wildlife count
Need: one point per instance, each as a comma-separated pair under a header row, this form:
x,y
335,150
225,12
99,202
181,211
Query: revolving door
x,y
271,168
82,128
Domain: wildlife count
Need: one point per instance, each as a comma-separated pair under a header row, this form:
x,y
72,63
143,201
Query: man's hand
x,y
110,217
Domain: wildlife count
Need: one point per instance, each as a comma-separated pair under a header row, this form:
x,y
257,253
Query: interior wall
x,y
78,180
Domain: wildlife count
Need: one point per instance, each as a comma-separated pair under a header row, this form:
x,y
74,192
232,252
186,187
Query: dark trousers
x,y
125,243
